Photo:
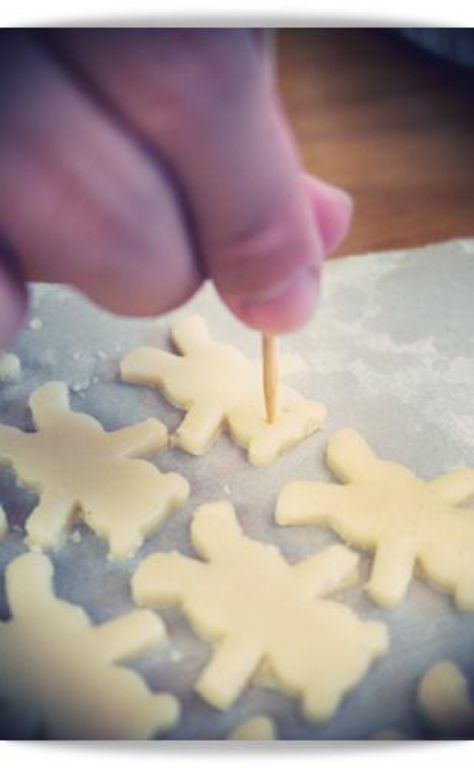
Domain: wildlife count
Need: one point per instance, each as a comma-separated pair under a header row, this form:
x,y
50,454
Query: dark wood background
x,y
388,122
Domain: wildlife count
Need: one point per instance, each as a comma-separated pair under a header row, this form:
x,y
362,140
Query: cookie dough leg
x,y
130,635
264,449
332,569
456,486
199,428
320,703
229,671
392,571
138,439
49,520
123,541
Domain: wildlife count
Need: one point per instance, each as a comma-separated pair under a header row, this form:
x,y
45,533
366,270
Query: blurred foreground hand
x,y
136,163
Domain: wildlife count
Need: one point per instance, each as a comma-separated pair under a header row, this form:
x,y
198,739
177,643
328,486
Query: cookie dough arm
x,y
199,428
392,571
234,662
130,635
139,439
147,365
49,520
27,569
332,569
302,503
165,579
456,486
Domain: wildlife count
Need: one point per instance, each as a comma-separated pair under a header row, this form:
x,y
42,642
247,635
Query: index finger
x,y
204,100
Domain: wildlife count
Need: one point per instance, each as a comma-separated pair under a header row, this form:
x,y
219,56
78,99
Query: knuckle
x,y
206,71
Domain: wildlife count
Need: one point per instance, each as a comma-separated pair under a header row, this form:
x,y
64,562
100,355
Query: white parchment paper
x,y
390,352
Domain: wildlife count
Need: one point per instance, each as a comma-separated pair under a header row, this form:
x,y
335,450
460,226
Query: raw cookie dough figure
x,y
75,465
384,507
220,387
51,656
264,615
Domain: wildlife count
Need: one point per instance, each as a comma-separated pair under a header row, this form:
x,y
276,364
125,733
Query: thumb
x,y
288,304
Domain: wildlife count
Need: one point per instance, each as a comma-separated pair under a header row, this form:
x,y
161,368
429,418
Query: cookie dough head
x,y
51,656
382,506
221,389
261,613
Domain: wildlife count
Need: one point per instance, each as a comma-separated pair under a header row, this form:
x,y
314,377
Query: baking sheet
x,y
390,352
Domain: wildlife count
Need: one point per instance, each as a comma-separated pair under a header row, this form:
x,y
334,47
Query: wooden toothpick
x,y
270,376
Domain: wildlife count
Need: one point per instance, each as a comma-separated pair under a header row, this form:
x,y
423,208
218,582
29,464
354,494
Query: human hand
x,y
135,163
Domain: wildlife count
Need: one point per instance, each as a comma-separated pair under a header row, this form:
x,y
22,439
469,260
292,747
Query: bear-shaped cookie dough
x,y
382,506
77,467
53,658
264,615
221,388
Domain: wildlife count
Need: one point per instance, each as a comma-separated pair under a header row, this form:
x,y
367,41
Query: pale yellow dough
x,y
443,698
264,615
79,469
221,388
52,657
10,367
3,523
258,728
384,507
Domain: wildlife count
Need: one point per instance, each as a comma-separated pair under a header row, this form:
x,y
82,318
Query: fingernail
x,y
339,194
284,308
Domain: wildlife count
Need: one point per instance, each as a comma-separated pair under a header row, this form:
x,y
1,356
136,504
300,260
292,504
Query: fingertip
x,y
285,308
332,208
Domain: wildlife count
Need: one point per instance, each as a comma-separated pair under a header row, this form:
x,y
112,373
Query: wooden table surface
x,y
388,122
